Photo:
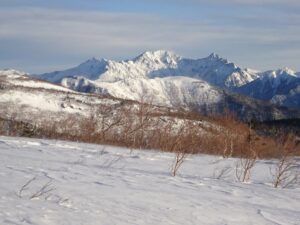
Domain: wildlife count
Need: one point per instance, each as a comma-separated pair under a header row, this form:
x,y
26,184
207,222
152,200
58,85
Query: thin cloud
x,y
49,34
242,2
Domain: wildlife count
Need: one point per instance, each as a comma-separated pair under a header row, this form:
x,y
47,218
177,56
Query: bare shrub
x,y
178,161
247,160
144,122
143,125
180,145
233,132
25,186
235,136
286,172
44,190
88,127
244,167
139,125
108,120
110,162
221,174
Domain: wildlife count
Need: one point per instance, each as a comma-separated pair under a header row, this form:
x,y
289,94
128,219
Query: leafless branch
x,y
25,186
45,189
221,173
286,172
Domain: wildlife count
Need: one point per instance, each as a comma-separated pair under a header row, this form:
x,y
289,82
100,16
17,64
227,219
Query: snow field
x,y
94,184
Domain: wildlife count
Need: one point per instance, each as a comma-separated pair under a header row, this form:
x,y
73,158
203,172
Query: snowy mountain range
x,y
172,80
281,87
208,85
158,64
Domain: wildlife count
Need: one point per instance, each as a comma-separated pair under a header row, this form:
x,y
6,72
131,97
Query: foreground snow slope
x,y
109,185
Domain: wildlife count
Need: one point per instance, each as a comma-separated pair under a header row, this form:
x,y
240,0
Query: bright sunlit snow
x,y
93,184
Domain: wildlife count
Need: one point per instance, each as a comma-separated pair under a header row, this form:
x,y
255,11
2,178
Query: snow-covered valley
x,y
75,183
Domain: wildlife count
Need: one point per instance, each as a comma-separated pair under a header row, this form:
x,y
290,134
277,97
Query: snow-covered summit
x,y
159,56
161,63
214,56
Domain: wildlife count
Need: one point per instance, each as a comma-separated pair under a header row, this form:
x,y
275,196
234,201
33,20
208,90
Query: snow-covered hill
x,y
183,93
21,79
26,99
74,183
167,91
12,73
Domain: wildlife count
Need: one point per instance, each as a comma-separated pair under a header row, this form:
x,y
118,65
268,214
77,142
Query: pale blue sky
x,y
40,36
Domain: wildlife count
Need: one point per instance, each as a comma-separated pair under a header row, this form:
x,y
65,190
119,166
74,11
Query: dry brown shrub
x,y
286,172
226,137
247,159
145,126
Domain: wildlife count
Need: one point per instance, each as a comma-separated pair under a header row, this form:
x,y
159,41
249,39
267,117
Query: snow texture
x,y
93,184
